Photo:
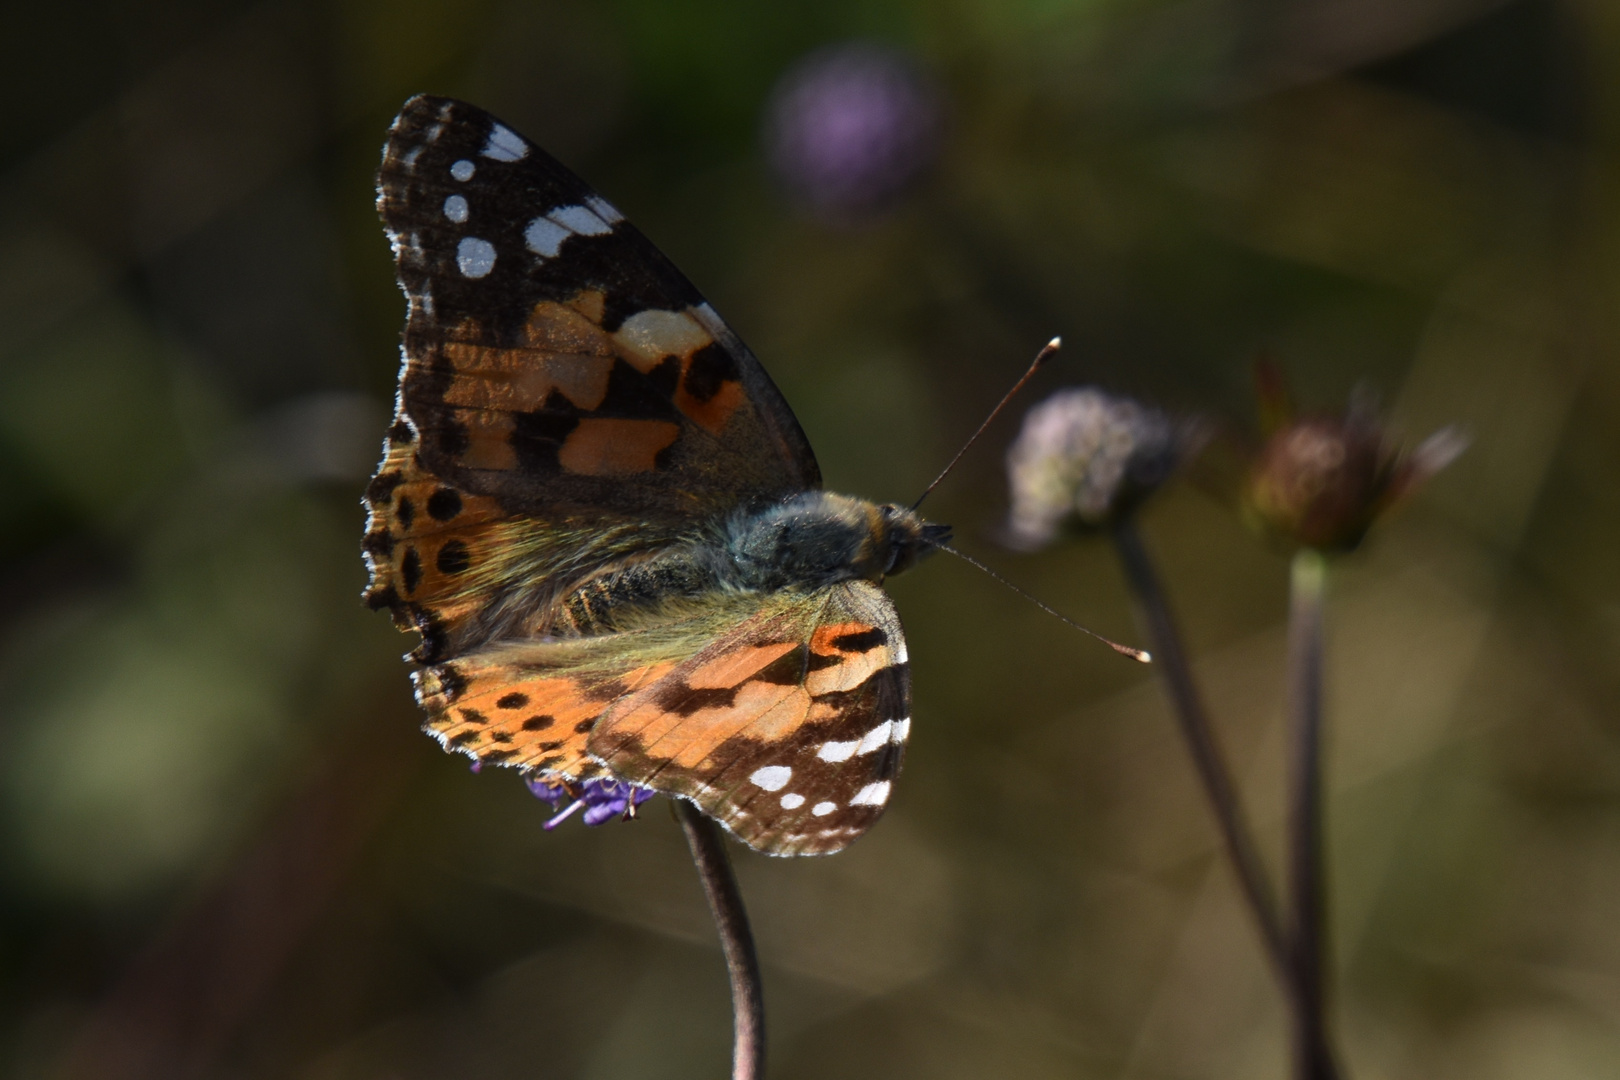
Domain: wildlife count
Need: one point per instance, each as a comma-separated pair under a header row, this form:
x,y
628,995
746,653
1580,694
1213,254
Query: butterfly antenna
x,y
1040,358
1141,655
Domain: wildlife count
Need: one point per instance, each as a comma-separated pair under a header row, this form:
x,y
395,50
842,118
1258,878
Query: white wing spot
x,y
455,208
545,236
902,730
872,795
822,809
475,257
604,209
409,158
876,739
504,144
792,801
463,170
772,777
837,751
578,219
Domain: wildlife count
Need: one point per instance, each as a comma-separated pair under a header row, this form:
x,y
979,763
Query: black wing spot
x,y
649,396
410,568
406,511
684,701
380,542
539,722
381,598
473,716
710,368
402,432
443,504
864,641
495,757
585,725
515,700
453,558
545,746
464,738
500,736
537,436
382,486
786,670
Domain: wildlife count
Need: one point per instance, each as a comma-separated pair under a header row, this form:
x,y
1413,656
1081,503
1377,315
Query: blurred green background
x,y
226,851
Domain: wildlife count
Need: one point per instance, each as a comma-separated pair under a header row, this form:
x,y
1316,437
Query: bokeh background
x,y
226,851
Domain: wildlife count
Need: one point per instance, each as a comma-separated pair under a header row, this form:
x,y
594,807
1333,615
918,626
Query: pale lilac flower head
x,y
601,800
850,126
1084,457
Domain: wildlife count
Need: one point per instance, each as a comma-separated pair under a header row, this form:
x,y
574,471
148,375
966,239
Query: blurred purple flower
x,y
850,126
602,800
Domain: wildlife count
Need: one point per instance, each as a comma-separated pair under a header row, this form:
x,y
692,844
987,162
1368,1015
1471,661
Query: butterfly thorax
x,y
802,544
817,538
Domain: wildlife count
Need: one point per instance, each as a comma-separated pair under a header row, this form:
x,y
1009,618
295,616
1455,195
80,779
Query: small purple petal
x,y
602,800
545,790
604,811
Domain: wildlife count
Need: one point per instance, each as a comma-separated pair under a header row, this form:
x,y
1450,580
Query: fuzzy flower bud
x,y
1320,481
1085,457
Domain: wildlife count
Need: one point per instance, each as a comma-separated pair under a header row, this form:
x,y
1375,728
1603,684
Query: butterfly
x,y
605,522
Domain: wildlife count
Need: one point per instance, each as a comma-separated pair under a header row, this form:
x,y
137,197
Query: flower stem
x,y
1171,659
1314,1055
1308,591
736,940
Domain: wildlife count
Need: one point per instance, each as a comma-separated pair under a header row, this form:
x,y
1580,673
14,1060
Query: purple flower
x,y
602,800
850,126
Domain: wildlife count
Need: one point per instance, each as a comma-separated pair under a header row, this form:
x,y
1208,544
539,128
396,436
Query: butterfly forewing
x,y
789,730
555,359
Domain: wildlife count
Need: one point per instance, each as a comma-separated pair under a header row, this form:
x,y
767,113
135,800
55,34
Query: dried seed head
x,y
1085,457
1321,481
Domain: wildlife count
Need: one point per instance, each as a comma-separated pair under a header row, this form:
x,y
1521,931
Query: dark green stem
x,y
736,940
1313,1056
1171,660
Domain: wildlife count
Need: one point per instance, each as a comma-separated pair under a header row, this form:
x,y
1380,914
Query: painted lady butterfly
x,y
604,520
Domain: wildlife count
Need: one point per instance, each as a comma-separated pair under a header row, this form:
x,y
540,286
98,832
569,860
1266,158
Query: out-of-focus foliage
x,y
225,850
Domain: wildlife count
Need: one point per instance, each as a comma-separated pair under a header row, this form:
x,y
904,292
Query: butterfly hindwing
x,y
504,709
789,729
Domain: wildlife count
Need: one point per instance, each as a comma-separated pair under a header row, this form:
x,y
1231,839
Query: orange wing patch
x,y
564,350
603,447
687,737
504,715
844,657
764,690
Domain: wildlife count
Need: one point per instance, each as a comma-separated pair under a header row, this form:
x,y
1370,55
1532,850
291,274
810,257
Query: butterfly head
x,y
901,537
